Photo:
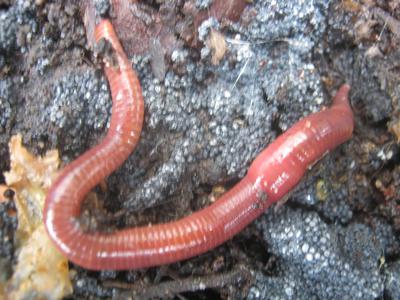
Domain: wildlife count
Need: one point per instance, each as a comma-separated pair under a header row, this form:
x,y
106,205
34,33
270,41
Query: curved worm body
x,y
272,175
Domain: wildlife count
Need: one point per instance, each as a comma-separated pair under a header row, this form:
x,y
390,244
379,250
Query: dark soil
x,y
206,120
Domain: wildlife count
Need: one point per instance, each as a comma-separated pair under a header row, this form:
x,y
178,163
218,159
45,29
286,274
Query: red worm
x,y
272,175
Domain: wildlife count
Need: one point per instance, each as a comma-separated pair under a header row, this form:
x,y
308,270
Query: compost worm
x,y
274,172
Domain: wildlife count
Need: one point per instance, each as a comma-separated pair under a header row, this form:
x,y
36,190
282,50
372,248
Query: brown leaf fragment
x,y
216,42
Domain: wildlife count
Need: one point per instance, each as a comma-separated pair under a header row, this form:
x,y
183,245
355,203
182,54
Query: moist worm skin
x,y
272,175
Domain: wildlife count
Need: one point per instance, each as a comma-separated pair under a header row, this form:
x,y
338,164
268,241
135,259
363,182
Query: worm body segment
x,y
272,175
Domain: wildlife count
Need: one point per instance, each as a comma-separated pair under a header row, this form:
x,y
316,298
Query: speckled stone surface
x,y
329,262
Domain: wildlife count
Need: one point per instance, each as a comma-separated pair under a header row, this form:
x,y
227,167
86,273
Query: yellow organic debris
x,y
41,271
322,191
394,127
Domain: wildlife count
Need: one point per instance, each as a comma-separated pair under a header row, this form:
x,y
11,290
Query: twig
x,y
172,288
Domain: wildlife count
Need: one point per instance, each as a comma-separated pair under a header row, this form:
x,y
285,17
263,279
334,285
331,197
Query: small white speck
x,y
319,100
289,291
227,94
256,292
304,248
309,257
119,97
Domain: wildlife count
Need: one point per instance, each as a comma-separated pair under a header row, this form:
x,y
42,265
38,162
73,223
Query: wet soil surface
x,y
221,79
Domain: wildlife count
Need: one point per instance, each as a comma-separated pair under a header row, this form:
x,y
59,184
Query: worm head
x,y
106,53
